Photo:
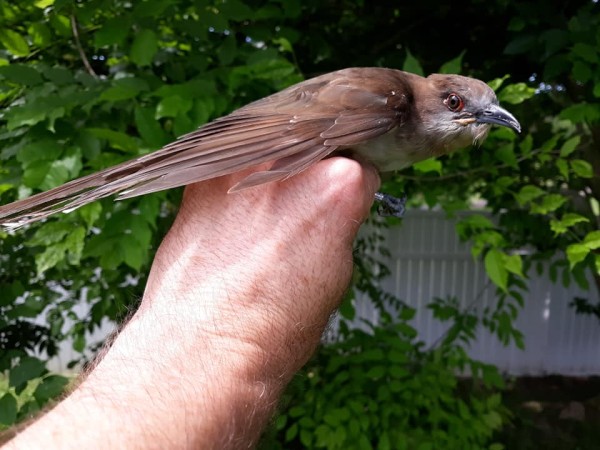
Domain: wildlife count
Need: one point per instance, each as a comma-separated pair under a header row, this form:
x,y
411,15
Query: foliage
x,y
379,387
27,390
84,85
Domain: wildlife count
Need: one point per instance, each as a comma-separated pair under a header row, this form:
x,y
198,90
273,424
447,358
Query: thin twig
x,y
86,63
467,308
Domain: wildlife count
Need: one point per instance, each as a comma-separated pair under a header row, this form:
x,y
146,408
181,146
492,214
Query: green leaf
x,y
43,150
49,258
526,145
227,51
568,220
35,173
42,4
21,74
516,93
284,44
563,168
569,146
40,34
586,52
411,64
306,438
592,240
173,106
576,253
27,369
62,170
74,245
8,409
144,47
549,204
50,387
428,165
581,112
521,44
454,65
14,42
61,24
582,71
59,76
407,313
113,32
124,89
346,309
514,264
495,268
291,432
506,154
79,342
492,420
497,82
476,222
149,128
582,168
90,213
49,233
133,253
116,139
529,193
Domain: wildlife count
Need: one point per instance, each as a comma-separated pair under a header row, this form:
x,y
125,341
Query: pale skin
x,y
238,296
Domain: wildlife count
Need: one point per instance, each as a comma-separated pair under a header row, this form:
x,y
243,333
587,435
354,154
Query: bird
x,y
388,117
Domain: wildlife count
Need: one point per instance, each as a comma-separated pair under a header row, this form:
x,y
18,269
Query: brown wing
x,y
293,128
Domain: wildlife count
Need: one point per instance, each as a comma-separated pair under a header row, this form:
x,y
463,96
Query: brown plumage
x,y
389,117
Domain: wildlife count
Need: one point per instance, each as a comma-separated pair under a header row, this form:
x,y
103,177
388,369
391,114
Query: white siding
x,y
428,260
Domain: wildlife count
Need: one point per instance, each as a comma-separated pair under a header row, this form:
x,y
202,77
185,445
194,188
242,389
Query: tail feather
x,y
63,198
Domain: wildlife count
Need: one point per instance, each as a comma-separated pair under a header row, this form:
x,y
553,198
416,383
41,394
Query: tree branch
x,y
84,59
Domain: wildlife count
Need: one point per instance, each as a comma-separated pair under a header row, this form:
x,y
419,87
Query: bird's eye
x,y
454,102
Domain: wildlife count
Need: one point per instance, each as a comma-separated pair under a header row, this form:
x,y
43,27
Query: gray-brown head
x,y
459,110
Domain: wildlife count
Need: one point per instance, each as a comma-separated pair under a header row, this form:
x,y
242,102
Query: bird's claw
x,y
389,205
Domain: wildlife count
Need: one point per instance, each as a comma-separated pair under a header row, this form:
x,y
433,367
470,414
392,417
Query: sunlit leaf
x,y
495,268
428,165
14,42
582,168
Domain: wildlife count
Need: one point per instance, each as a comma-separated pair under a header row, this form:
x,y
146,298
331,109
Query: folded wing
x,y
293,129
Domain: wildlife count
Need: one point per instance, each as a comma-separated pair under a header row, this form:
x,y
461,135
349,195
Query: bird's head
x,y
459,111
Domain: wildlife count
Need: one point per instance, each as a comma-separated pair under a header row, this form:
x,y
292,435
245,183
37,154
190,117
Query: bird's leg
x,y
389,205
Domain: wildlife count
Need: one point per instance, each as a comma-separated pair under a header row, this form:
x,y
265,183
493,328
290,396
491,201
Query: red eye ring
x,y
454,102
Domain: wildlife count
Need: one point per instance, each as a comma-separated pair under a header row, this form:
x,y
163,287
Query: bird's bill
x,y
497,115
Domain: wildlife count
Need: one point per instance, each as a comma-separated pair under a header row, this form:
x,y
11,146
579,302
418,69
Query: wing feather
x,y
293,129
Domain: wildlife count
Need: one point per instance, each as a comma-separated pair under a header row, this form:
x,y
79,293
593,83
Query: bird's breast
x,y
394,150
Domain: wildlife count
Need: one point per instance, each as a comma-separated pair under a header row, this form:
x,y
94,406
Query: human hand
x,y
236,301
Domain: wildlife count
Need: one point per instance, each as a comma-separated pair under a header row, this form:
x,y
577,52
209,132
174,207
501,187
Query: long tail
x,y
225,146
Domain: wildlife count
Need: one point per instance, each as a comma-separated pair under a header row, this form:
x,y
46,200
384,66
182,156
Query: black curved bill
x,y
497,115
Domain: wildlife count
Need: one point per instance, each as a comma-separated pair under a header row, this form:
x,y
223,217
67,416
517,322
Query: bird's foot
x,y
389,205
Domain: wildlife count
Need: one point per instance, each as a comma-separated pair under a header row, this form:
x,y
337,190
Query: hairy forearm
x,y
182,383
237,298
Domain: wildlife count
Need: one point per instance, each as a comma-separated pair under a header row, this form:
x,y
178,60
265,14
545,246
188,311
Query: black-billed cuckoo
x,y
388,117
